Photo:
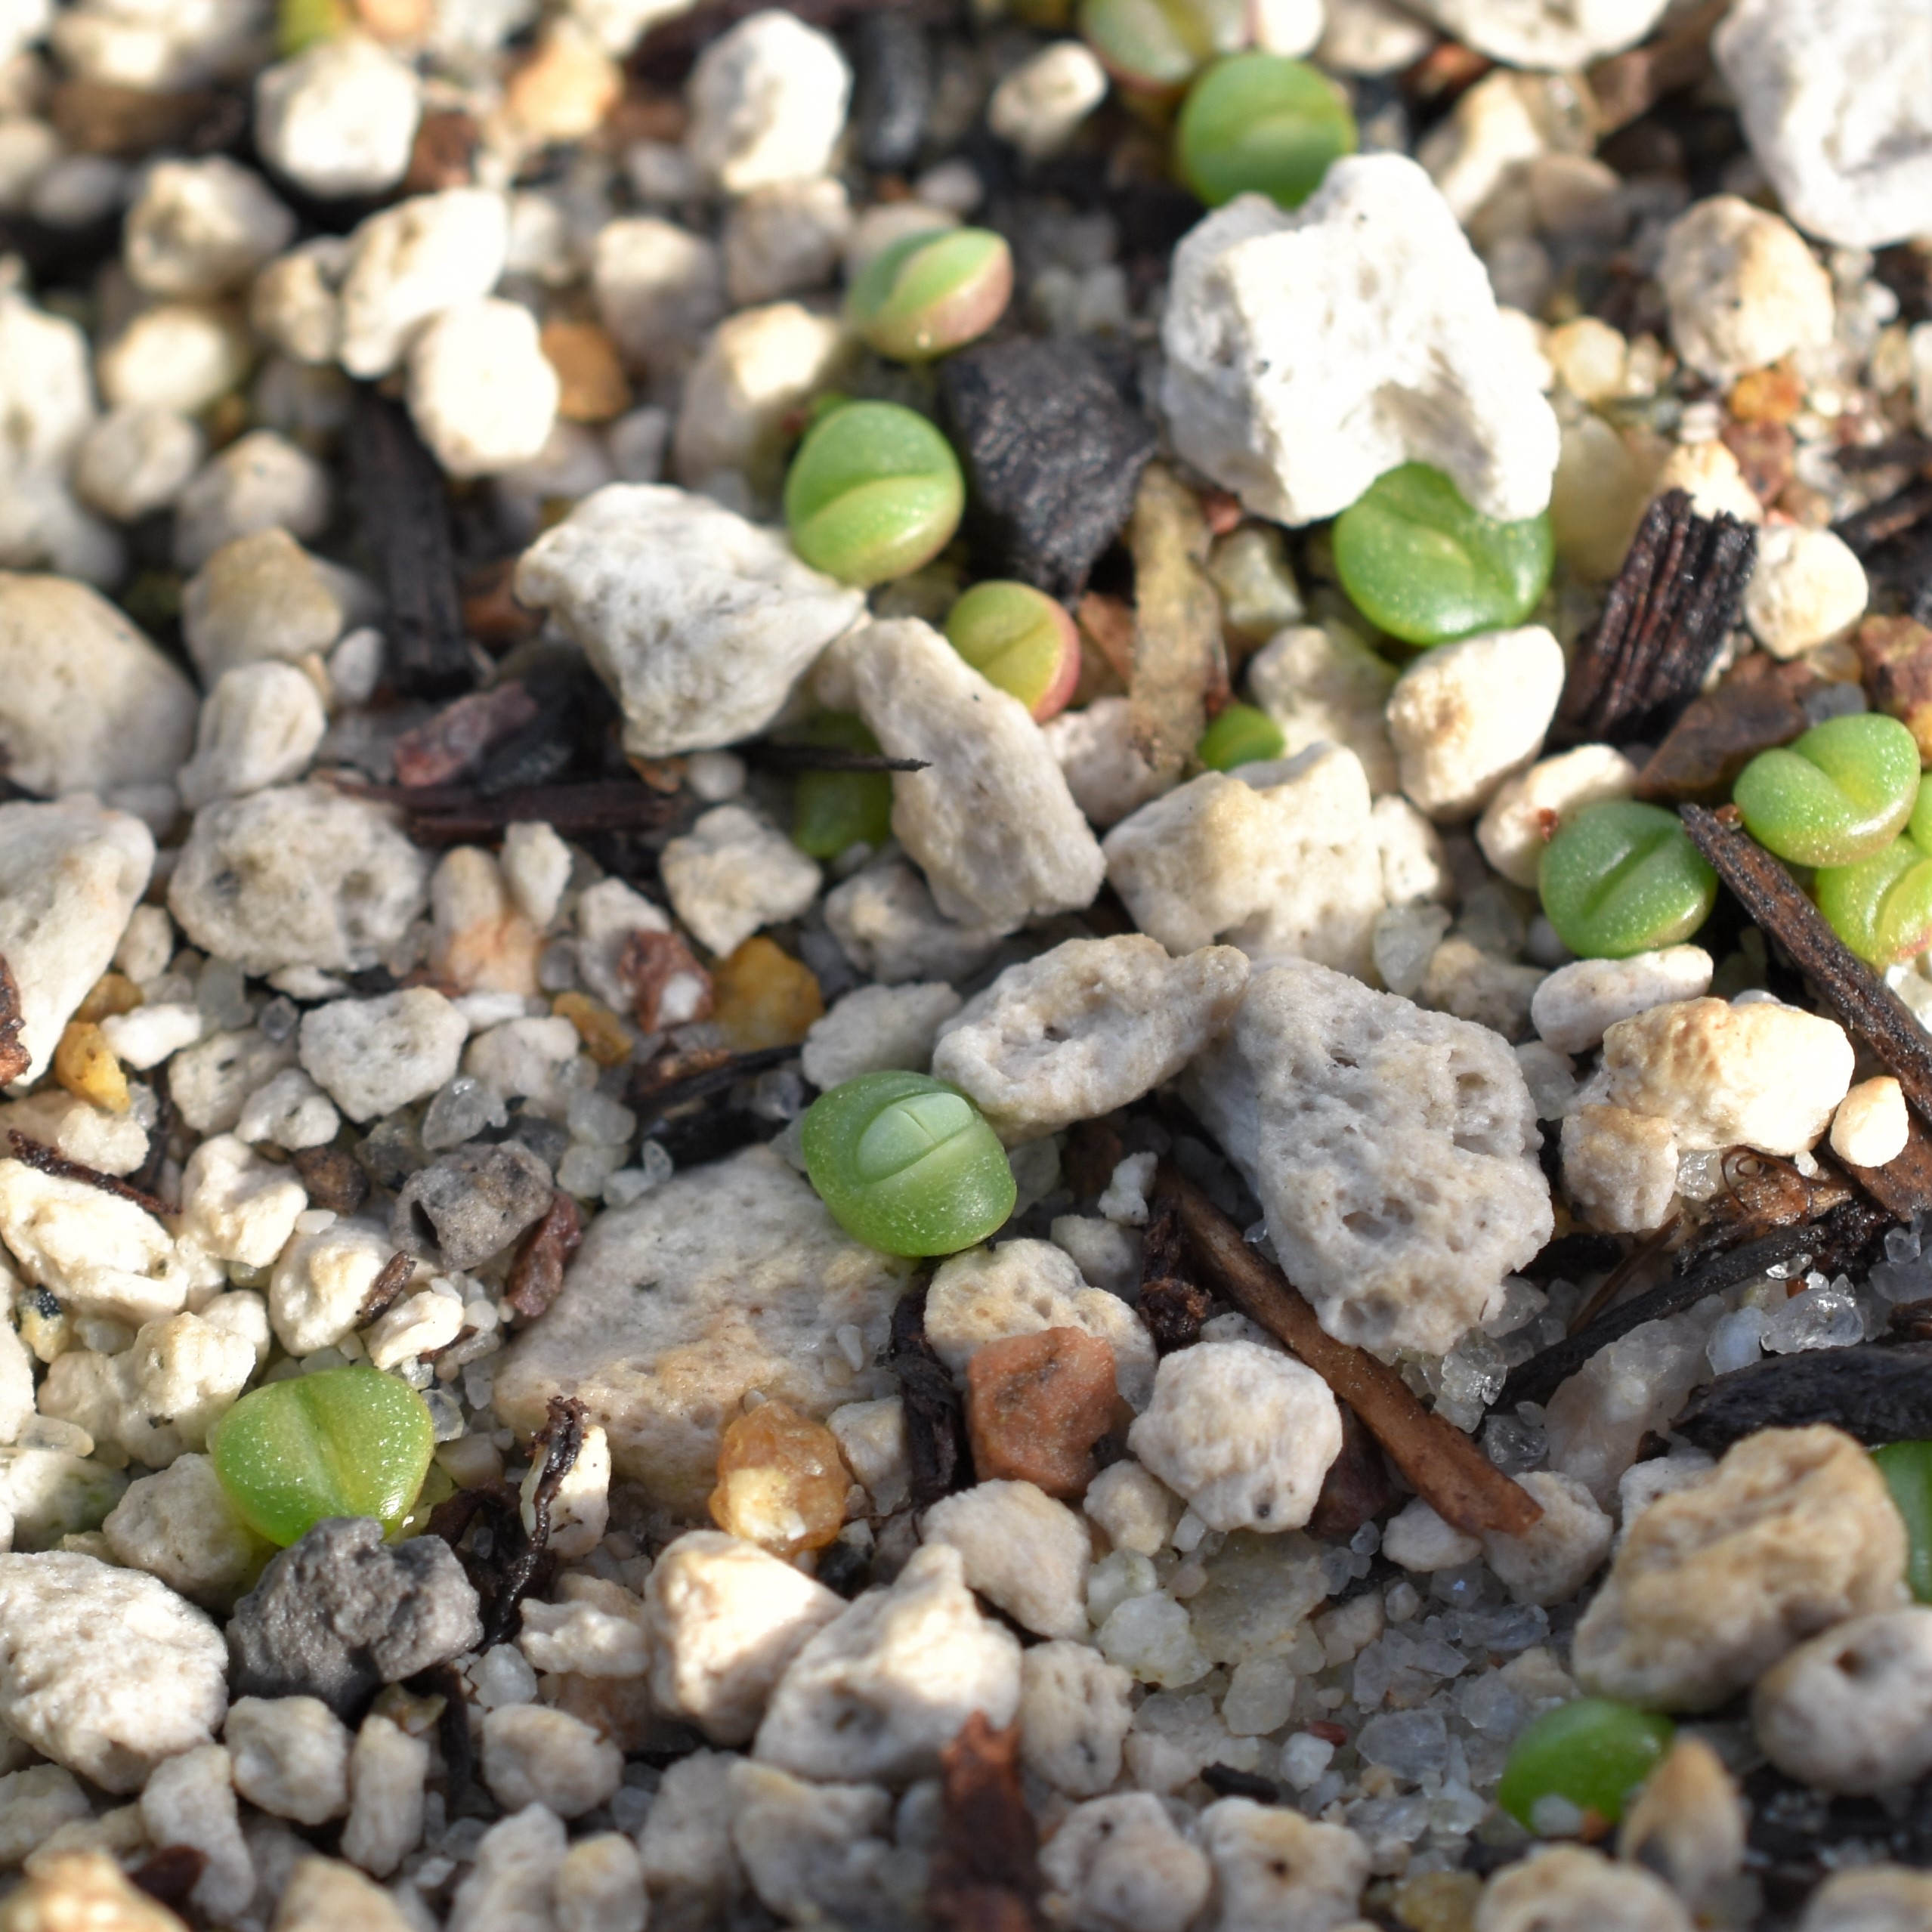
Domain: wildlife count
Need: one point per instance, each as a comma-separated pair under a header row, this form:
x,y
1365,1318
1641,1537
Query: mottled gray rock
x,y
472,1203
342,1612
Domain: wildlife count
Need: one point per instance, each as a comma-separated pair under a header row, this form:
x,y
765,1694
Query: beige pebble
x,y
1871,1126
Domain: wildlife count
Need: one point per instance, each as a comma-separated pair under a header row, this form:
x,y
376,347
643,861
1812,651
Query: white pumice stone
x,y
1620,1168
513,1882
732,873
1792,1532
235,1205
410,262
70,874
1039,105
872,1438
1761,1075
1243,1434
387,1770
700,621
189,1800
1393,1150
481,392
289,1111
1851,1711
259,727
1075,1711
106,1670
1023,1552
1743,289
659,288
259,480
175,355
536,867
35,1803
690,1865
70,1125
1546,34
1572,1885
819,1851
875,1027
1552,1559
784,238
1830,99
160,1397
1021,1288
1415,866
1462,979
137,461
1308,352
291,1757
1512,830
1030,854
1868,1898
1090,1026
1806,587
1467,716
1121,1863
1105,770
49,1494
768,101
340,119
1578,1003
100,1254
178,1525
1137,1510
1872,1125
371,1056
601,1634
1107,1254
534,1755
261,596
1273,1867
295,301
320,1282
1278,858
884,921
86,702
1417,1538
202,227
1322,685
297,875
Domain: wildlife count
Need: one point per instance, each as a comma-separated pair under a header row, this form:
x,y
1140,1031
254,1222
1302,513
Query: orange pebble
x,y
1767,395
781,1481
606,1038
764,997
112,993
586,360
1036,1405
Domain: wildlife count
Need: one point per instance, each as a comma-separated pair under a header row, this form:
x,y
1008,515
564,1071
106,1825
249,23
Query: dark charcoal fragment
x,y
1224,1780
168,1875
1356,1488
987,1877
894,89
845,1568
1172,1306
471,1203
559,1442
1052,452
334,1179
935,1417
536,1275
341,1613
391,1279
1878,1393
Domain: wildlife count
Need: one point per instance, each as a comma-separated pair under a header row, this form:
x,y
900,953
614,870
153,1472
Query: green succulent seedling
x,y
1155,47
1881,907
1418,562
1592,1754
1018,638
906,1164
925,294
874,492
1261,124
1907,1468
342,1442
1241,734
1622,878
832,810
1841,793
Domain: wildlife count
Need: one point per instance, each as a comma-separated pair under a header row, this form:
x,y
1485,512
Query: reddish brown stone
x,y
1896,653
1036,1405
1756,707
444,155
1765,452
653,965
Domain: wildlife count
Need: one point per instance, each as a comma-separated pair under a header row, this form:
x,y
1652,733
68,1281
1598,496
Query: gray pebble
x,y
472,1202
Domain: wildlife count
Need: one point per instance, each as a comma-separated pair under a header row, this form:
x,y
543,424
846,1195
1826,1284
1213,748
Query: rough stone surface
x,y
1074,1714
105,1671
1516,824
877,1027
387,1770
513,1883
1273,1867
753,1279
179,1526
292,1757
1090,1026
1743,288
659,289
260,480
885,922
991,820
261,595
877,1693
1036,1405
340,1613
1322,683
732,873
189,1800
1578,1003
371,1056
1872,1125
199,228
1620,1169
482,394
320,1282
339,119
1570,1885
1851,1711
70,874
1394,1151
1551,35
1308,352
86,702
136,460
1871,1898
100,1254
700,621
768,103
1806,587
1105,770
411,261
295,876
1794,1532
1550,1562
819,1854
1023,1551
532,1755
259,727
1121,1863
473,1202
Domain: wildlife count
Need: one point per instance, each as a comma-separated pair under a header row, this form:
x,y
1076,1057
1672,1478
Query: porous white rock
x,y
388,1770
818,1852
1273,1867
1743,289
1278,858
1872,1125
886,923
878,1692
1417,1538
1794,1532
1393,1150
340,119
321,1282
259,727
991,820
291,1757
534,1755
1833,101
1467,716
768,101
235,1205
135,461
1075,1709
1578,1003
599,1631
875,1027
1021,1288
1137,1510
1869,1898
1553,1559
100,1254
1851,1711
261,595
1518,821
295,302
87,703
726,1618
731,874
159,1397
1572,1885
872,1438
754,1281
297,875
178,1525
260,480
1806,588
411,262
659,289
111,1143
1762,1074
202,227
1243,1433
1549,35
700,621
690,1866
35,1803
189,1800
513,1882
1090,1026
105,1671
1620,1169
371,1056
481,392
1415,867
1322,685
1039,105
780,239
1022,1550
1308,352
1105,769
607,915
536,867
148,1035
49,1494
1120,1865
1462,979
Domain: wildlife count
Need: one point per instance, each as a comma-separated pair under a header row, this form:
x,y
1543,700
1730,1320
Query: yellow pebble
x,y
781,1482
764,997
606,1038
85,1064
113,993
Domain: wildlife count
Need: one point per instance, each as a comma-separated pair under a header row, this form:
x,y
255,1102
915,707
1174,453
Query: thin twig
x,y
37,1153
830,758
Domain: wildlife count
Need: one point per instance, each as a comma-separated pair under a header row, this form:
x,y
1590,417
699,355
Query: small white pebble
x,y
1871,1126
